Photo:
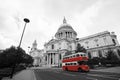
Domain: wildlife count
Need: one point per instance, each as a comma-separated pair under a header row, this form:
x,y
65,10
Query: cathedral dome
x,y
65,31
65,27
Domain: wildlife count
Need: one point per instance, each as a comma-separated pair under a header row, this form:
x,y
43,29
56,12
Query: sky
x,y
87,17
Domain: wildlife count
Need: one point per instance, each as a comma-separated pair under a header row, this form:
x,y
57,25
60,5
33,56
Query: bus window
x,y
79,63
82,62
81,55
77,55
84,55
74,63
73,55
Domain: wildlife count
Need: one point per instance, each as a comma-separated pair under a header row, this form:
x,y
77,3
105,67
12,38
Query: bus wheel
x,y
79,70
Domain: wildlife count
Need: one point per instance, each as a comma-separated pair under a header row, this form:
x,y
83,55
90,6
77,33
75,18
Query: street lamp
x,y
26,21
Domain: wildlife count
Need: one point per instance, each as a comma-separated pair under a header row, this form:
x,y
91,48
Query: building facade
x,y
66,39
97,45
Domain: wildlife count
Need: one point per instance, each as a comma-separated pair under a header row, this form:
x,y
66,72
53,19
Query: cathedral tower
x,y
34,45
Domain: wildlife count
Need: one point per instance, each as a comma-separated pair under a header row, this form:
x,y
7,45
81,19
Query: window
x,y
60,56
74,63
82,62
52,46
114,41
73,55
87,46
46,58
89,55
97,44
77,55
81,55
84,55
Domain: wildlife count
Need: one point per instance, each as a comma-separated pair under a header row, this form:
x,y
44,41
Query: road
x,y
58,74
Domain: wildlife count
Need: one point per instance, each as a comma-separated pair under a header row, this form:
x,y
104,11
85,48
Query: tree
x,y
28,60
111,55
80,48
118,52
111,58
14,56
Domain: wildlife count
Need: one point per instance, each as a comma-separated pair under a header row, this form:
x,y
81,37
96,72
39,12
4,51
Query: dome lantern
x,y
64,21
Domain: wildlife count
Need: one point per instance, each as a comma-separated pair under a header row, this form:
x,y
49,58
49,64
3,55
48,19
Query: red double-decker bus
x,y
75,62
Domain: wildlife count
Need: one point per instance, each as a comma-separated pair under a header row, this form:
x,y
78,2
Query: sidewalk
x,y
23,75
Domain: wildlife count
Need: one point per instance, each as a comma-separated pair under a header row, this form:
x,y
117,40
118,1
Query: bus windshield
x,y
82,62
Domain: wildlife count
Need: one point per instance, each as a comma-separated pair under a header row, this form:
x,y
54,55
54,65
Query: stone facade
x,y
97,45
66,40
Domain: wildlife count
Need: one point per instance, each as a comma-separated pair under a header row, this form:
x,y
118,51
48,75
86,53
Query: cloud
x,y
46,17
85,18
5,42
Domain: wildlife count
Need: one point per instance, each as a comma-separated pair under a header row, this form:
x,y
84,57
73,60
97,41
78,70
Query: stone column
x,y
50,59
47,59
56,58
53,58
